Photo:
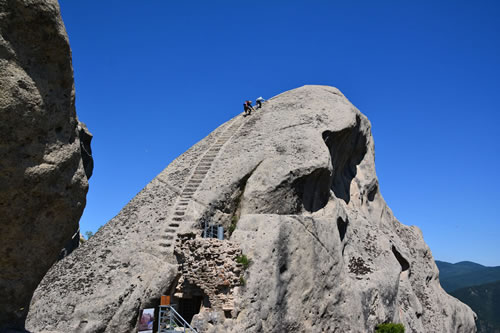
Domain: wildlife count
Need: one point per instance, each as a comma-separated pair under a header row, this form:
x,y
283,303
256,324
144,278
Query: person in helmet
x,y
258,102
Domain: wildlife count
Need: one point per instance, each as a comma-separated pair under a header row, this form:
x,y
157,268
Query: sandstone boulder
x,y
294,187
44,169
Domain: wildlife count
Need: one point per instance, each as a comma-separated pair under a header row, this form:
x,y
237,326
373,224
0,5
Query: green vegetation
x,y
234,221
465,274
243,260
390,328
477,286
243,282
89,234
484,300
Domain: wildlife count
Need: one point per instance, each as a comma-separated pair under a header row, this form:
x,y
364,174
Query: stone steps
x,y
191,186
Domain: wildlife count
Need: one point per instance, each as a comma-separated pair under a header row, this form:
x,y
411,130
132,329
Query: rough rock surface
x,y
208,266
43,181
294,185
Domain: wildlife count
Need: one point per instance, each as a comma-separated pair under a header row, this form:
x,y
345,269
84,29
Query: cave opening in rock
x,y
372,192
347,149
313,190
188,307
188,299
342,226
405,265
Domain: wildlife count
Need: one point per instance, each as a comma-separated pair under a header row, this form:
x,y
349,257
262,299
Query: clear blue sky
x,y
154,77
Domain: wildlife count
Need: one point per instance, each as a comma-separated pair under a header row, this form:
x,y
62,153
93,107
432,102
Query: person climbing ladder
x,y
248,108
259,101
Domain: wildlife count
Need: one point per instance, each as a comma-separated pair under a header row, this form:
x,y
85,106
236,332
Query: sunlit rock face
x,y
295,189
43,169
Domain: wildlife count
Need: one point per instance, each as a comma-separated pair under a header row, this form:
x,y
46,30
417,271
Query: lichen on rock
x,y
295,184
43,170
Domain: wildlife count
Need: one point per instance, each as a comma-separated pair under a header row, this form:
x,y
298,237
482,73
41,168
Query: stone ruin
x,y
209,271
328,254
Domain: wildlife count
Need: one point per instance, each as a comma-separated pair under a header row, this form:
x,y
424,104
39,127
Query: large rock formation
x,y
44,151
294,187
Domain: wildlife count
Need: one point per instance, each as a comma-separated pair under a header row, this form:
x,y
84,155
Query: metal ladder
x,y
170,321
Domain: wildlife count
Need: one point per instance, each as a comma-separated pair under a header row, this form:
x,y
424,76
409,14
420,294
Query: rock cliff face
x,y
43,167
294,187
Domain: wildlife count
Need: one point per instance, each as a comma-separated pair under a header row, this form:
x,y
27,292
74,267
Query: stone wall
x,y
210,265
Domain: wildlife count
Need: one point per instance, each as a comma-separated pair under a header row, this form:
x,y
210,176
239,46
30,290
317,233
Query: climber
x,y
245,109
248,108
259,101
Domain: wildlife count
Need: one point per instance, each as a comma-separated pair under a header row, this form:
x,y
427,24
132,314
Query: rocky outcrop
x,y
208,269
43,181
294,187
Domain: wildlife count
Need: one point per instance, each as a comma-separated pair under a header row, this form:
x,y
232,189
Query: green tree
x,y
390,328
89,234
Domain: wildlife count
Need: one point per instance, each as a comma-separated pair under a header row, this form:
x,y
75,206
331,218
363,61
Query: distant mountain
x,y
485,301
465,274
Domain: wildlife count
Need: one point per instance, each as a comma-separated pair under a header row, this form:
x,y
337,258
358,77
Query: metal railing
x,y
171,321
213,231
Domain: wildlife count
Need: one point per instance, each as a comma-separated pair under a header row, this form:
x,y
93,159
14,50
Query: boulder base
x,y
294,187
43,180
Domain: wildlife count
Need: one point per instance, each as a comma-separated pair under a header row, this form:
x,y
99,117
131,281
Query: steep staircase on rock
x,y
194,181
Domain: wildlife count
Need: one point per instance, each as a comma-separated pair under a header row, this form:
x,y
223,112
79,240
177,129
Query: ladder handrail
x,y
176,317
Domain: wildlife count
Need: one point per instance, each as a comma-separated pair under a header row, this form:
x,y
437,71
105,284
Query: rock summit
x,y
309,244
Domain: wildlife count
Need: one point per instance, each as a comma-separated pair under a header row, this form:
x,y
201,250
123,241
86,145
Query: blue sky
x,y
154,77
